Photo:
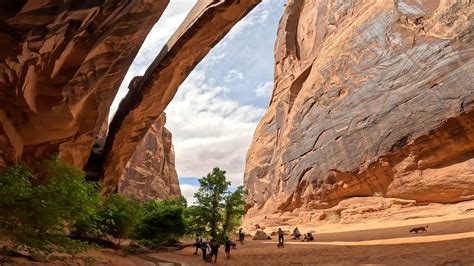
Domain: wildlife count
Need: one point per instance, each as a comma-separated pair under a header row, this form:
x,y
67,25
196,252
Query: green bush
x,y
119,215
40,215
161,221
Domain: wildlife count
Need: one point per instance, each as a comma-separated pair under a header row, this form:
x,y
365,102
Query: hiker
x,y
281,236
214,249
241,236
197,244
227,244
204,247
296,233
308,237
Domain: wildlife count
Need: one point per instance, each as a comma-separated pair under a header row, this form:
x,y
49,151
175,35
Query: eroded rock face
x,y
61,64
208,22
370,98
151,172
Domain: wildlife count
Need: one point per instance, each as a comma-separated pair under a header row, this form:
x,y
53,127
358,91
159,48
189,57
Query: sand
x,y
446,243
449,242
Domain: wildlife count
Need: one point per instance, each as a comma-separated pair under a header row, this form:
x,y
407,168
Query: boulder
x,y
260,235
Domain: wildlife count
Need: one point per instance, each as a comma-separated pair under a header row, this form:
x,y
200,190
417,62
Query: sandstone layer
x,y
371,98
207,23
151,172
61,64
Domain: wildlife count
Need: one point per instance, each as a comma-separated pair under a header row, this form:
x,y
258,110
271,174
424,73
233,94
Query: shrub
x,y
39,215
161,221
119,215
196,222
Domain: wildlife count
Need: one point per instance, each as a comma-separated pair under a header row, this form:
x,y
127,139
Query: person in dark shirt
x,y
281,236
296,233
228,245
197,243
214,249
241,236
204,247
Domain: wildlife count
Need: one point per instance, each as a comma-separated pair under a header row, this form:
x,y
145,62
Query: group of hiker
x,y
211,249
296,236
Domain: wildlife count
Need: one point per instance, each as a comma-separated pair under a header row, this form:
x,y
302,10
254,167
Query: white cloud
x,y
264,89
210,130
210,124
258,16
188,192
233,75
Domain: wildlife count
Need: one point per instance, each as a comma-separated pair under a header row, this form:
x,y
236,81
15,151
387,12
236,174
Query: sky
x,y
216,110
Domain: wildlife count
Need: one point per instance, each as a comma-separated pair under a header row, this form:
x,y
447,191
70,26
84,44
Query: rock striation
x,y
61,64
151,172
207,23
371,98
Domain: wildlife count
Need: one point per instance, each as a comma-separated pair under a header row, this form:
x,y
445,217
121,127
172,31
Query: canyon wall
x,y
61,64
371,98
206,24
151,172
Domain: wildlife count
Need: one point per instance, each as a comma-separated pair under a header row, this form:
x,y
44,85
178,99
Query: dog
x,y
421,229
280,245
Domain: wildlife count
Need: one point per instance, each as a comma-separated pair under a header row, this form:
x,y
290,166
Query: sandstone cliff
x,y
207,23
61,64
151,172
371,98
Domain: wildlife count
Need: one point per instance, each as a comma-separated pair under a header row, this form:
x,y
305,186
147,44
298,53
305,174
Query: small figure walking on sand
x,y
241,236
197,244
214,249
204,248
227,244
281,238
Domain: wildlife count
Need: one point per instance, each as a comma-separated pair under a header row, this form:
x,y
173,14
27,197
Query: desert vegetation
x,y
50,207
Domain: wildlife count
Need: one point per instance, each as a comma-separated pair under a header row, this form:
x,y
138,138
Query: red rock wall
x,y
151,172
370,98
207,23
61,64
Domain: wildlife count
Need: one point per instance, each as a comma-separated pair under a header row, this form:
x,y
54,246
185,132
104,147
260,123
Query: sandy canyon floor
x,y
447,242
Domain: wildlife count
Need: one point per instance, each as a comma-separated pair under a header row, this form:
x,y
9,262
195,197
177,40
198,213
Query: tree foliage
x,y
210,199
44,206
233,210
119,215
217,211
39,215
161,221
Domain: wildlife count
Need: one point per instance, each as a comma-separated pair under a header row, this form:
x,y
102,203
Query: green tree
x,y
119,215
195,221
210,199
233,210
161,221
38,209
